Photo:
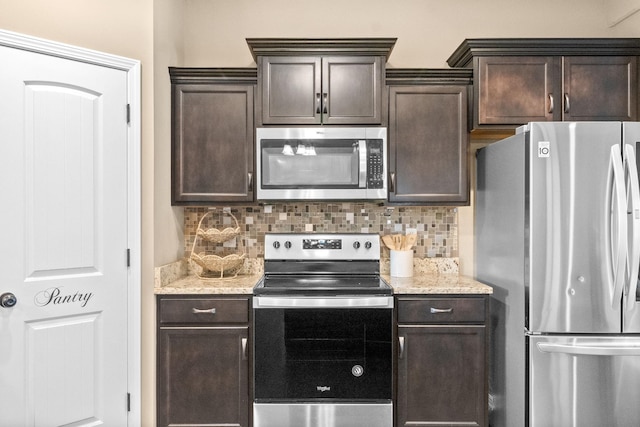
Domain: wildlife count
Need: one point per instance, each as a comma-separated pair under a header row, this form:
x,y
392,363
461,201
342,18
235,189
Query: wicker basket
x,y
218,236
214,266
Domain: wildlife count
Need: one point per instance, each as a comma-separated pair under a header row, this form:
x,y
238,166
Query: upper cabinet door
x,y
212,143
291,88
352,90
311,90
514,90
428,144
550,79
600,88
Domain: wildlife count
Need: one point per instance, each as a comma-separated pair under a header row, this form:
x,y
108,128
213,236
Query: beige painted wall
x,y
427,30
160,33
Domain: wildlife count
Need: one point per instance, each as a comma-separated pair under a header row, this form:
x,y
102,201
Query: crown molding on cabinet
x,y
463,55
193,75
295,46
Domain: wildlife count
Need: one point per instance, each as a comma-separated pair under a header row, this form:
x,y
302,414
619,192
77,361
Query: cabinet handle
x,y
317,103
243,343
325,103
566,103
401,342
250,178
392,187
206,311
551,103
434,310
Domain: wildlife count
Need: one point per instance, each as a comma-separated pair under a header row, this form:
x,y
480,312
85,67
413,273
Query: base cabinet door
x,y
442,365
203,363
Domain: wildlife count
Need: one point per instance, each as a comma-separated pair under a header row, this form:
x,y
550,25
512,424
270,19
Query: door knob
x,y
8,300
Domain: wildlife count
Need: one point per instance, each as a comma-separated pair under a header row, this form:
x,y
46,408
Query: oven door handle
x,y
320,302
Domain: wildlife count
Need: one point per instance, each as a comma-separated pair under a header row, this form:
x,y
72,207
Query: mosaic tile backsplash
x,y
436,227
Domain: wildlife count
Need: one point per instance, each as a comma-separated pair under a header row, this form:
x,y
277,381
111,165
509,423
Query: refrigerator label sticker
x,y
543,148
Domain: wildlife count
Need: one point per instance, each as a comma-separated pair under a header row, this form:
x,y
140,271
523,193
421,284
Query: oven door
x,y
323,349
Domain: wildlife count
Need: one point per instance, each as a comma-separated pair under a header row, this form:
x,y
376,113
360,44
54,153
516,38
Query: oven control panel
x,y
321,243
301,246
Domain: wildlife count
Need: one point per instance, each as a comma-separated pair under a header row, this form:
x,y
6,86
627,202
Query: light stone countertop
x,y
442,279
447,283
241,284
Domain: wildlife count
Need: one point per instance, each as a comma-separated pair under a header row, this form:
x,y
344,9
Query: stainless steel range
x,y
323,326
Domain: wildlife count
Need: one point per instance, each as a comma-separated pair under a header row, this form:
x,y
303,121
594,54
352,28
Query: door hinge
x,y
128,402
128,257
128,113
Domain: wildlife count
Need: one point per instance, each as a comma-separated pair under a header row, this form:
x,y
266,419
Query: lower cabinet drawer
x,y
441,310
203,310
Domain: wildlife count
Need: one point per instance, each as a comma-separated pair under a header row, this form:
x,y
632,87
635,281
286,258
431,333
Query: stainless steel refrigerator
x,y
558,238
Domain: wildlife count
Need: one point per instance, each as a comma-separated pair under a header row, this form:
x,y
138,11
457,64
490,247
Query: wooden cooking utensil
x,y
397,241
409,241
388,241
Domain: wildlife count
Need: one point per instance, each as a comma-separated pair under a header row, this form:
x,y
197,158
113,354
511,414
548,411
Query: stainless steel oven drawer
x,y
323,414
203,310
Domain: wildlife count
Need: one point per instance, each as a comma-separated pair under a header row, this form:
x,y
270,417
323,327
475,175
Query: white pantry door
x,y
63,242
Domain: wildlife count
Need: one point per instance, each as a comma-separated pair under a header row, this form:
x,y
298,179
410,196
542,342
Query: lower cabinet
x,y
442,361
203,361
203,355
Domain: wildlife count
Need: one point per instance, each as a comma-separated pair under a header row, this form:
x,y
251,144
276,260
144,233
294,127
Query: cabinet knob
x,y
566,103
325,103
551,103
317,103
250,181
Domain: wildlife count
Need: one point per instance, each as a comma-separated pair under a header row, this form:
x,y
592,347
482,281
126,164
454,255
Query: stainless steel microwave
x,y
321,163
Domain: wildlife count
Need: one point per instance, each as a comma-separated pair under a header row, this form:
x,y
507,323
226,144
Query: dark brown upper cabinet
x,y
428,136
212,135
321,81
521,80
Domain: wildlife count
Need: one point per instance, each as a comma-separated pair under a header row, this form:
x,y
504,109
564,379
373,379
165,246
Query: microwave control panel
x,y
374,163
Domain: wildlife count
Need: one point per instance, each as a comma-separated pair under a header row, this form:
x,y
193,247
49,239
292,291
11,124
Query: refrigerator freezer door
x,y
631,301
584,381
570,262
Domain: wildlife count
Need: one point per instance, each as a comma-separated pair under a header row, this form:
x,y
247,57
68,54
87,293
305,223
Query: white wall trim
x,y
132,67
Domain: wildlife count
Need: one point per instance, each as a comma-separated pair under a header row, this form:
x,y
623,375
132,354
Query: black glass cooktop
x,y
322,284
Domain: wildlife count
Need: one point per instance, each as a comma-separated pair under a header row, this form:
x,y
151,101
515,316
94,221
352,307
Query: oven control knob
x,y
287,245
356,245
357,370
276,245
367,245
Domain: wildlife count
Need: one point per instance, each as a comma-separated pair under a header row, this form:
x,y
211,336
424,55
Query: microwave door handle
x,y
362,150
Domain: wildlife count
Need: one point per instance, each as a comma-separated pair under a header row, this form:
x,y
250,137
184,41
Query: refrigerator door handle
x,y
633,206
616,225
590,349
